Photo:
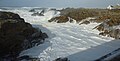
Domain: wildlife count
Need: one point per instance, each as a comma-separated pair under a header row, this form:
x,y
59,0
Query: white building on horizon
x,y
113,7
110,7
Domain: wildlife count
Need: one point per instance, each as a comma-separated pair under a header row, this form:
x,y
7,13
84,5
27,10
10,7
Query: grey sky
x,y
58,3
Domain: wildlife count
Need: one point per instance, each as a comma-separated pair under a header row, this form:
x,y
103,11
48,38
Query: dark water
x,y
59,3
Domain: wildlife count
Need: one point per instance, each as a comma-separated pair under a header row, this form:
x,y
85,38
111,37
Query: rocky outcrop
x,y
17,35
76,14
108,19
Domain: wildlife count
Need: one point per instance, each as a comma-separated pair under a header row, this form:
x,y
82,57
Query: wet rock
x,y
85,22
28,58
32,10
61,59
37,14
37,9
44,35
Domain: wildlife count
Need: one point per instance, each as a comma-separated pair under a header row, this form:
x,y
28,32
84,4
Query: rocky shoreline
x,y
109,19
17,35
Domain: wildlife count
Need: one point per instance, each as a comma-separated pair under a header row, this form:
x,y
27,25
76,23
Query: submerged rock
x,y
61,59
16,35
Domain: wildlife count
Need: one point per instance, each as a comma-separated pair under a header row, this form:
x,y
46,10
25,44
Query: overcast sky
x,y
58,3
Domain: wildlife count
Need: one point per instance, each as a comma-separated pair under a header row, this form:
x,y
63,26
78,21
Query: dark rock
x,y
37,14
44,35
32,10
11,37
53,9
8,15
28,58
39,34
43,11
36,9
37,38
16,35
24,57
61,59
117,58
85,22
